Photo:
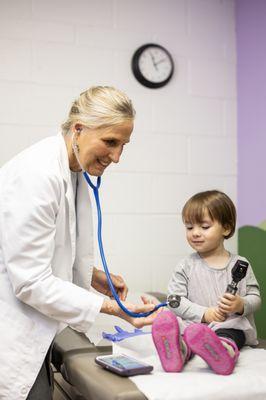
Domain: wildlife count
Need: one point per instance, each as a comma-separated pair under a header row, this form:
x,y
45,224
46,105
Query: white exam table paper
x,y
197,381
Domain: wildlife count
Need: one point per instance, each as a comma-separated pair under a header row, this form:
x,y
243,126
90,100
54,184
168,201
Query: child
x,y
215,325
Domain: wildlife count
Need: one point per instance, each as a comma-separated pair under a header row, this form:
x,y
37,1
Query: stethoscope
x,y
172,300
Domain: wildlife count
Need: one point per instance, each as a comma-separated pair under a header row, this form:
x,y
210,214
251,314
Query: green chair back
x,y
252,245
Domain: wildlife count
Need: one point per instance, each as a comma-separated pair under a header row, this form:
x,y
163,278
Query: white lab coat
x,y
41,254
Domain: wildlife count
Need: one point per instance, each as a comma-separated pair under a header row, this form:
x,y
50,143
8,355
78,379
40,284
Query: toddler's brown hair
x,y
219,206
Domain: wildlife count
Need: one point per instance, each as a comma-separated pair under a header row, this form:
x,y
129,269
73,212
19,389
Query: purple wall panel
x,y
251,80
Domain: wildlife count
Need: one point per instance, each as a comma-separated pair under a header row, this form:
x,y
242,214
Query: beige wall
x,y
185,134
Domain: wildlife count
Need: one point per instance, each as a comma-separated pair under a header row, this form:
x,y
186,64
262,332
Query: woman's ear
x,y
77,128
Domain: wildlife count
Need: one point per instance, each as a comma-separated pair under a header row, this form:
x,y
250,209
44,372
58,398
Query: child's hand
x,y
231,303
213,314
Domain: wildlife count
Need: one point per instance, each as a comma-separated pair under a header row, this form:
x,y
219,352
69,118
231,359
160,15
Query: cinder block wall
x,y
185,133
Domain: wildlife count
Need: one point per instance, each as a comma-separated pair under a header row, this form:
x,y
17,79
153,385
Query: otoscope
x,y
238,272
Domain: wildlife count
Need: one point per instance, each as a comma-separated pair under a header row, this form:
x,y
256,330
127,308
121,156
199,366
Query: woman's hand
x,y
99,282
111,307
213,314
231,303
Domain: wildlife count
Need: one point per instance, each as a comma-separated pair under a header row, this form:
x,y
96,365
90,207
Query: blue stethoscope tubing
x,y
95,189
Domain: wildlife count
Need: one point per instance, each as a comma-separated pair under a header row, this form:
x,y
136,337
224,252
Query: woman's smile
x,y
103,163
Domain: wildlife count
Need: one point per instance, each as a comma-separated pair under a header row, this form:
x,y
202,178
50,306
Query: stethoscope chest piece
x,y
173,300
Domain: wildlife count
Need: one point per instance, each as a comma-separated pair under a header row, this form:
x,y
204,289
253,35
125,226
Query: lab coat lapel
x,y
80,224
83,267
69,194
72,218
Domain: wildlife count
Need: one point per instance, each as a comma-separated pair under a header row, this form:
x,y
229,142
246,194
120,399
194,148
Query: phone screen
x,y
123,365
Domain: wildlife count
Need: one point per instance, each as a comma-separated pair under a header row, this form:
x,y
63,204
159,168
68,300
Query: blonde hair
x,y
100,107
219,206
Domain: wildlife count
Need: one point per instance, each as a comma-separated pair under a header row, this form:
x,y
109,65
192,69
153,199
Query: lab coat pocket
x,y
17,332
18,352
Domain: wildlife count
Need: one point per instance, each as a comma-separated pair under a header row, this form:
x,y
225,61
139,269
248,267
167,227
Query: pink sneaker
x,y
168,342
204,342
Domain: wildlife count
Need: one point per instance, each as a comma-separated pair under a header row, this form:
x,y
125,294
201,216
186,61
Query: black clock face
x,y
152,66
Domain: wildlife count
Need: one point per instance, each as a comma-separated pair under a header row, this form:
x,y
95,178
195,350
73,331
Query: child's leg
x,y
232,338
171,348
236,335
220,353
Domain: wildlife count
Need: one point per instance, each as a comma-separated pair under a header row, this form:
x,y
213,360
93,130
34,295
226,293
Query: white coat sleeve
x,y
28,221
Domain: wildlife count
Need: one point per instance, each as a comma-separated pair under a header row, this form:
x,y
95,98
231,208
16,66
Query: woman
x,y
46,254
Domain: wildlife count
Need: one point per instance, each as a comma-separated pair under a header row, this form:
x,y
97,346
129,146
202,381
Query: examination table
x,y
78,377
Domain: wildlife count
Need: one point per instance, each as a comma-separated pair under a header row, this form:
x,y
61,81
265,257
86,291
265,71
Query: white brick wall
x,y
185,133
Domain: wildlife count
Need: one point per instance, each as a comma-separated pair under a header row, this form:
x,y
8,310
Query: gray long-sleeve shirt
x,y
200,287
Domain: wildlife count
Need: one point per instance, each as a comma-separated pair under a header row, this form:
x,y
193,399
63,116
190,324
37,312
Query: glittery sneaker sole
x,y
166,336
206,344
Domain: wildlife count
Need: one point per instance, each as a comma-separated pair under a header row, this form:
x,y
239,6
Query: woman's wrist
x,y
95,278
109,307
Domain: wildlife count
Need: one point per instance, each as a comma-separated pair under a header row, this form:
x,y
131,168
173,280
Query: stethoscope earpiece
x,y
75,147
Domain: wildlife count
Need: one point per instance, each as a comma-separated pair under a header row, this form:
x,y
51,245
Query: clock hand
x,y
160,61
153,60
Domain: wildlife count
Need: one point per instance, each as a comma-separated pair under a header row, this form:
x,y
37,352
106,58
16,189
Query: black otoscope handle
x,y
231,289
239,272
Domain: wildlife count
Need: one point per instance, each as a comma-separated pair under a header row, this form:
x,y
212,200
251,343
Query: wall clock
x,y
152,65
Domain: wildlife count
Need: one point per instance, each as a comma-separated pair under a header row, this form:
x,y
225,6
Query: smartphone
x,y
123,365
